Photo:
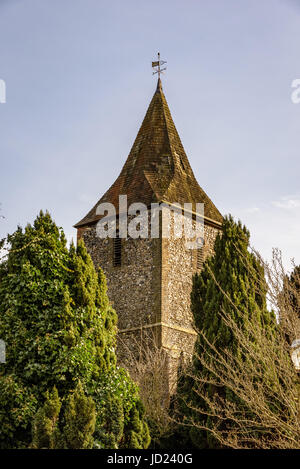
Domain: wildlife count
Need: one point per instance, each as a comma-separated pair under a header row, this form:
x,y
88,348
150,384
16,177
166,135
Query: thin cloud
x,y
287,203
274,224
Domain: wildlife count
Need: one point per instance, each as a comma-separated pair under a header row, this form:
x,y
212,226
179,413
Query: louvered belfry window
x,y
200,257
117,251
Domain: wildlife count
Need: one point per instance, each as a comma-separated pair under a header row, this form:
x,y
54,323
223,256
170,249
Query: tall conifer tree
x,y
231,283
59,328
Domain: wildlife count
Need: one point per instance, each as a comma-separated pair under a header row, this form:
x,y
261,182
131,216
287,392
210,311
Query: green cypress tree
x,y
45,425
59,328
80,419
231,284
77,423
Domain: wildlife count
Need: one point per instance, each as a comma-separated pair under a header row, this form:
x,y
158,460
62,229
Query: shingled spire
x,y
157,168
150,278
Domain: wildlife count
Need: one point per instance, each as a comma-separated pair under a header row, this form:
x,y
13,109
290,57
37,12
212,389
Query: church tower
x,y
150,279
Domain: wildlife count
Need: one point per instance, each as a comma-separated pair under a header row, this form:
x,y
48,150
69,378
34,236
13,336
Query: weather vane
x,y
157,66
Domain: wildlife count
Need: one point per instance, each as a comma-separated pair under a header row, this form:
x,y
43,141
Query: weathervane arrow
x,y
157,64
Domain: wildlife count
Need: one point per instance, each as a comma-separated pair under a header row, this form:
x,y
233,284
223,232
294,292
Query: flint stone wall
x,y
151,287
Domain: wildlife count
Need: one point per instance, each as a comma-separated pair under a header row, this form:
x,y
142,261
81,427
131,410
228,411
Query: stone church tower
x,y
150,280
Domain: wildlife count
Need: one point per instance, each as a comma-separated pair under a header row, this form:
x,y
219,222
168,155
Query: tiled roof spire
x,y
157,168
159,85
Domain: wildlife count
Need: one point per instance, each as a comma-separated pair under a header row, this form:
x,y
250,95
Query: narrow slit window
x,y
181,162
117,260
180,159
200,258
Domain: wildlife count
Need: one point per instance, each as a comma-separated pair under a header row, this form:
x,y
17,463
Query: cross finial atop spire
x,y
157,66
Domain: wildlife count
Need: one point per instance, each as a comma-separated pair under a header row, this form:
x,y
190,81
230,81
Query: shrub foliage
x,y
59,329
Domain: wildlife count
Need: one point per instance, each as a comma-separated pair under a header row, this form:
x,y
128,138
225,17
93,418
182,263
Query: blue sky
x,y
79,80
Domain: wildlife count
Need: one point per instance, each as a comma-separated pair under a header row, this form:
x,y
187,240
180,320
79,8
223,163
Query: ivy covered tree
x,y
59,328
241,379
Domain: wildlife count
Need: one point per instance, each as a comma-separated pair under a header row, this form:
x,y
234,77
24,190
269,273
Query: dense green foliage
x,y
231,283
72,430
80,420
59,328
45,429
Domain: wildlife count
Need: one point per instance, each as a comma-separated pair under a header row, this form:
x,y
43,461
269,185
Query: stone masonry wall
x,y
152,286
133,287
178,266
